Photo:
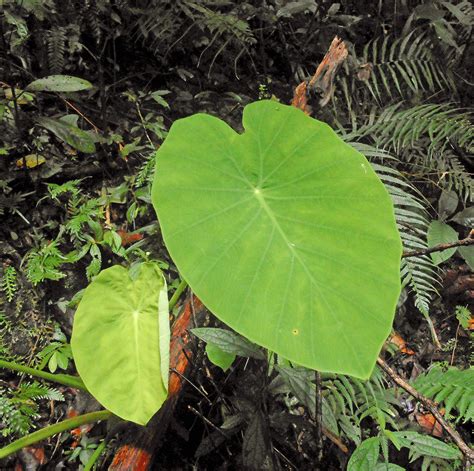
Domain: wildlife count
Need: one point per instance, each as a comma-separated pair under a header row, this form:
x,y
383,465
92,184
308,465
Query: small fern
x,y
452,387
146,172
81,213
43,263
346,401
9,283
18,408
72,187
55,47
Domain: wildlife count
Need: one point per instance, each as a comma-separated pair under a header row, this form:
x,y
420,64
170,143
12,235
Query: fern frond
x,y
353,398
403,65
35,390
81,214
418,273
452,387
71,186
55,47
454,175
146,172
9,283
400,129
43,263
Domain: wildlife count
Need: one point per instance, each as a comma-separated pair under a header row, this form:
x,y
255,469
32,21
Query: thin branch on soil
x,y
431,406
440,247
208,422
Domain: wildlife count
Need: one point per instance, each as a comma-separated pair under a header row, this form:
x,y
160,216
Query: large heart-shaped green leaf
x,y
116,341
284,232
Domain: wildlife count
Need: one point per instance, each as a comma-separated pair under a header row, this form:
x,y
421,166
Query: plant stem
x,y
431,406
47,432
95,456
440,247
66,380
179,291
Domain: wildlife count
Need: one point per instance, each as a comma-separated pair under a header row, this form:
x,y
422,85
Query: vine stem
x,y
431,406
179,291
47,432
66,380
440,247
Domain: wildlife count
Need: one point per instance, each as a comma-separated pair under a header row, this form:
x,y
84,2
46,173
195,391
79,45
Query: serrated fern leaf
x,y
452,387
418,273
9,283
403,65
398,129
35,390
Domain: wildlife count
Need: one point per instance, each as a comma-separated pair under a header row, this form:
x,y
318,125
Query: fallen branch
x,y
440,247
323,78
431,406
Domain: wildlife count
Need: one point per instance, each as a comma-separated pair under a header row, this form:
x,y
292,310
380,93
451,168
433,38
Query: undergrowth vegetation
x,y
89,91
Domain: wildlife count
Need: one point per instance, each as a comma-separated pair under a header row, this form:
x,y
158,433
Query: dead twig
x,y
323,78
440,247
431,406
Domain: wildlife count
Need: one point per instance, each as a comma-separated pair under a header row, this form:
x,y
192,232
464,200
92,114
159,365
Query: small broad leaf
x,y
388,467
116,341
365,456
256,447
447,204
229,342
441,233
465,217
467,254
300,382
218,357
259,225
31,161
59,83
426,445
68,133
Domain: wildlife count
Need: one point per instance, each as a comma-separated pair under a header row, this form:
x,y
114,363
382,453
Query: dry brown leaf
x,y
429,424
397,340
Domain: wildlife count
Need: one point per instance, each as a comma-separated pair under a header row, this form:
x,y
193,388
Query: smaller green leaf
x,y
426,445
218,357
59,83
117,341
72,135
467,254
256,444
388,467
447,204
229,342
53,362
365,456
300,382
441,233
465,217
